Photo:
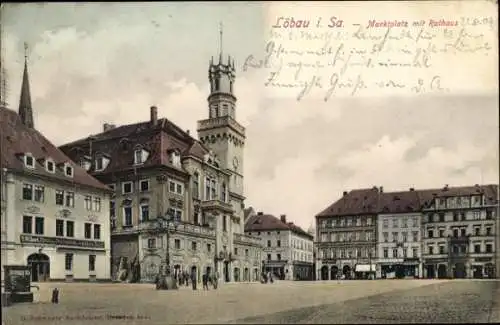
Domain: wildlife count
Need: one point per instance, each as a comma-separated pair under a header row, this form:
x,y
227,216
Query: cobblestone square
x,y
83,303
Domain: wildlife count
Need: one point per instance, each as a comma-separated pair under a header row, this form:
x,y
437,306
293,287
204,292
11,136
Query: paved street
x,y
283,302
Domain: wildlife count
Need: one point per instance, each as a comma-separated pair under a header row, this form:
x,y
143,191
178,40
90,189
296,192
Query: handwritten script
x,y
330,56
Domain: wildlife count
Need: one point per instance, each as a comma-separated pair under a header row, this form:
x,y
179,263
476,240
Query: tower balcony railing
x,y
181,227
216,205
219,121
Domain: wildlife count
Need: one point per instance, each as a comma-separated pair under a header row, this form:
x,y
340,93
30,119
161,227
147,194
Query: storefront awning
x,y
365,268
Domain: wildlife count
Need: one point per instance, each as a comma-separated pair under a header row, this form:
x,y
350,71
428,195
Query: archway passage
x,y
40,267
236,272
477,271
489,270
346,270
459,272
442,272
324,272
431,272
246,275
334,271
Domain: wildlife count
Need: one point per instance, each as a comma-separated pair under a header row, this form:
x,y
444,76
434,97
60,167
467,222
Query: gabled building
x,y
45,220
158,171
347,235
287,248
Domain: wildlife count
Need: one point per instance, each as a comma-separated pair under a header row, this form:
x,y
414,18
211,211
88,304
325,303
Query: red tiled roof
x,y
119,144
268,222
18,139
373,201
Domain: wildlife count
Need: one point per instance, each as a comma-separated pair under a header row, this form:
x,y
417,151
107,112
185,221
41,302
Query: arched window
x,y
196,185
223,192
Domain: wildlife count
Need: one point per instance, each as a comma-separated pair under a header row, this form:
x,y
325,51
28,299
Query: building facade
x,y
459,232
160,171
47,222
450,232
399,235
287,248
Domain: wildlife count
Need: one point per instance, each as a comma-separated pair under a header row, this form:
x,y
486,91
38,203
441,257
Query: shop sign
x,y
59,241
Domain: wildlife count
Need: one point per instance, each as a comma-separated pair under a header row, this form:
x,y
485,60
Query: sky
x,y
96,63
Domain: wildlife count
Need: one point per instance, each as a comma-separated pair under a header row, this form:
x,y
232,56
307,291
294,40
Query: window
x,y
59,227
112,187
196,185
441,249
236,251
68,171
193,245
278,243
489,248
175,187
462,216
97,204
88,202
39,225
99,164
430,233
368,221
88,230
268,257
476,215
455,249
144,212
27,224
441,217
394,252
59,197
213,193
405,223
488,231
70,228
477,231
127,187
455,232
209,248
268,243
91,263
441,233
223,192
394,236
138,157
278,256
394,223
70,199
175,158
463,232
177,214
386,253
177,244
405,253
144,185
489,215
463,249
127,213
39,193
415,252
112,209
431,250
151,242
415,236
477,248
405,237
29,161
68,261
97,231
27,192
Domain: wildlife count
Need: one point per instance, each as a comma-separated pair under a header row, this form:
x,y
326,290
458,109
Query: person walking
x,y
205,281
193,279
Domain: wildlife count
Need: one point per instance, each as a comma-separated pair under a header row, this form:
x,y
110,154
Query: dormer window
x,y
85,163
101,163
50,166
175,158
140,155
68,170
29,161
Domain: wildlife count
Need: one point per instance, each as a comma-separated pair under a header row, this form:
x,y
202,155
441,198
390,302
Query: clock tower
x,y
221,132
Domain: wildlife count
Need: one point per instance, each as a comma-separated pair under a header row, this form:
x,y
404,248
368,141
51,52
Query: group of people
x,y
184,278
267,277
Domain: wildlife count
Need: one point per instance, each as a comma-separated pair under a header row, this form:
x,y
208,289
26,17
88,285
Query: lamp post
x,y
164,223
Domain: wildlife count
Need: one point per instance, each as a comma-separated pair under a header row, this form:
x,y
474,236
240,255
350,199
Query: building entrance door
x,y
40,267
226,271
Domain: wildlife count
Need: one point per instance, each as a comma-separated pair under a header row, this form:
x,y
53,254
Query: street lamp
x,y
164,223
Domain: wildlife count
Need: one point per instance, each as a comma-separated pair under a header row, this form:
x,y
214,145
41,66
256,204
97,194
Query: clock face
x,y
235,162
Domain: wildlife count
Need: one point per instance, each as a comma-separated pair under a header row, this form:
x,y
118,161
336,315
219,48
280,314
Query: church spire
x,y
220,42
25,108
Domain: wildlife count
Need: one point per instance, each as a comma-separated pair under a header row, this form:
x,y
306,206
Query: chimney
x,y
187,131
412,189
107,127
154,115
345,193
381,189
445,187
283,218
260,213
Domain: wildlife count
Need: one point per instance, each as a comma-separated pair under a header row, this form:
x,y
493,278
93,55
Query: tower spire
x,y
25,108
220,41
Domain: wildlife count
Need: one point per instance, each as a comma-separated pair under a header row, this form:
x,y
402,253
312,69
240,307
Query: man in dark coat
x,y
193,279
205,281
